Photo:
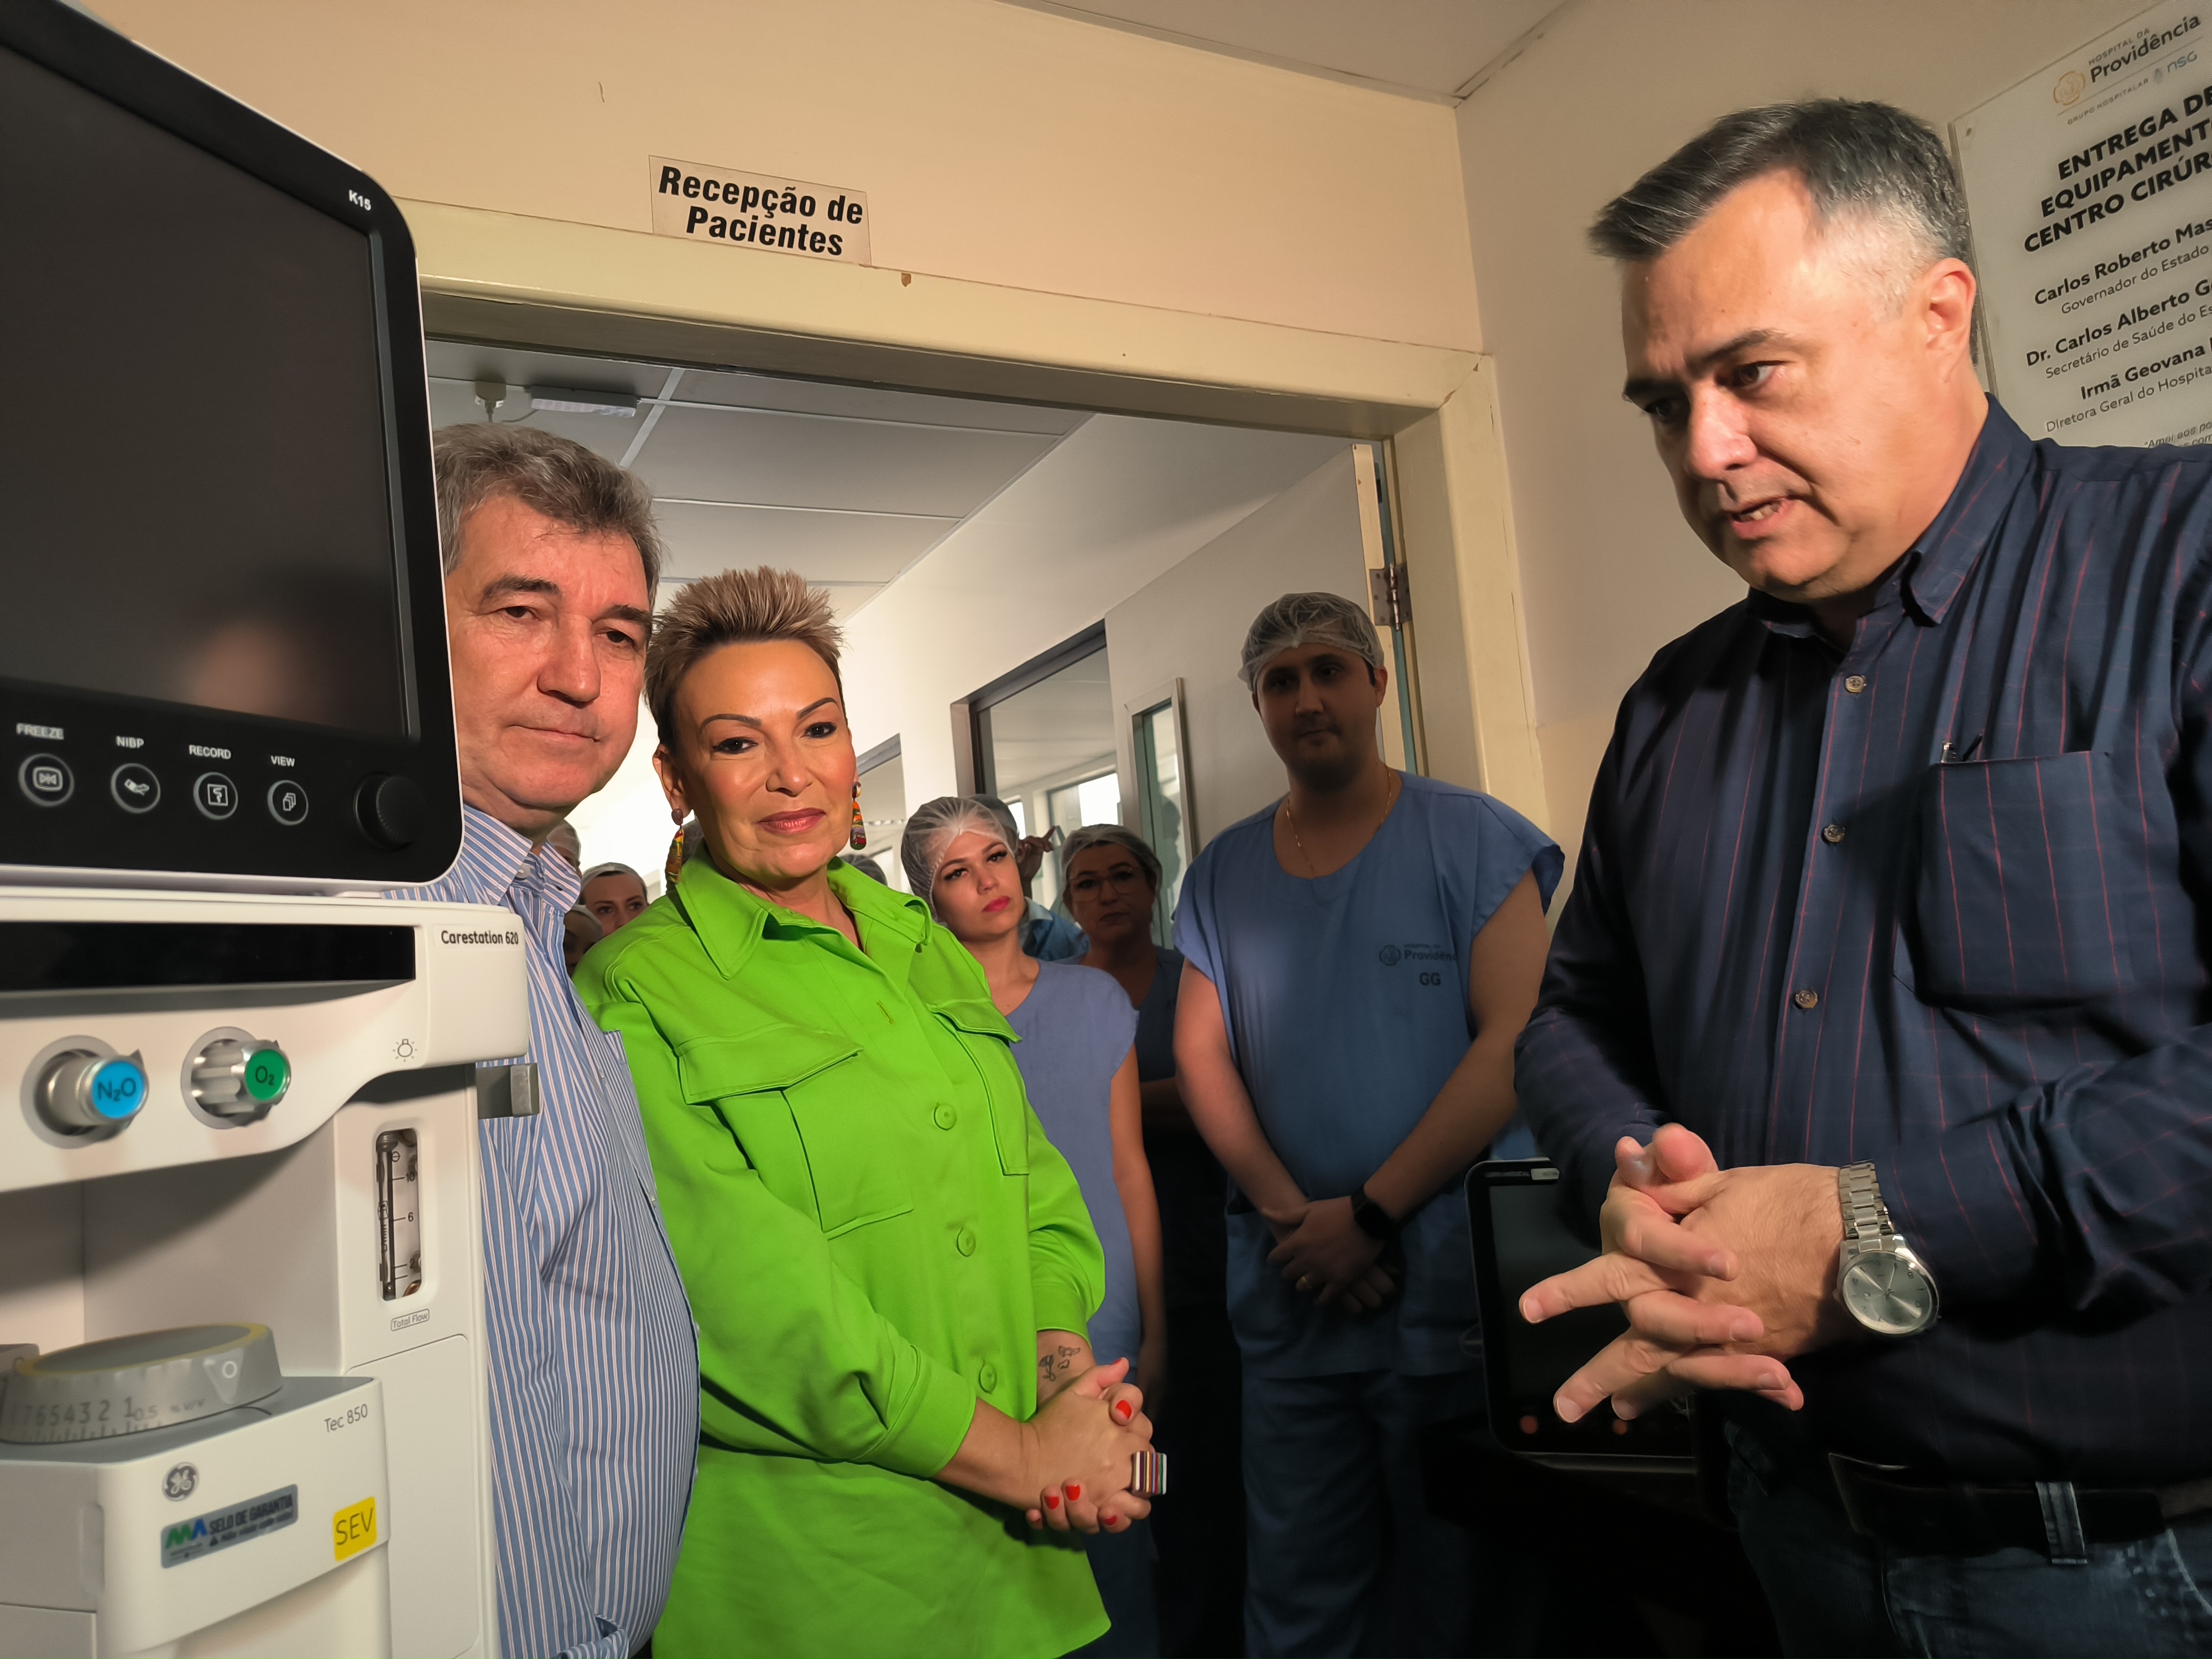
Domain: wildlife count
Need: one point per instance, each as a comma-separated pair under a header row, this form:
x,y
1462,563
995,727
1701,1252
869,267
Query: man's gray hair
x,y
1865,162
547,473
1299,619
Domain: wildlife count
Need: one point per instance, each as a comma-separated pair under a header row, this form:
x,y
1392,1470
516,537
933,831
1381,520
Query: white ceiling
x,y
1437,48
847,485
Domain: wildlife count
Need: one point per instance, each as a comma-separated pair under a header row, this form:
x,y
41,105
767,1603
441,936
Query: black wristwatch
x,y
1373,1220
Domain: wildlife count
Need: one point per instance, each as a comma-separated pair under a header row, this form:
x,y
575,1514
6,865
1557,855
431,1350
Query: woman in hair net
x,y
1078,1062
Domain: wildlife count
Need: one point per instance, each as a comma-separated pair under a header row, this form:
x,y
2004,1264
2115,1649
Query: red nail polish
x,y
1123,1410
1075,1491
1052,1500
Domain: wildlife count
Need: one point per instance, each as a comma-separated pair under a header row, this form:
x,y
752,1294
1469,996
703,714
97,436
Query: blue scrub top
x,y
1076,1028
1346,1001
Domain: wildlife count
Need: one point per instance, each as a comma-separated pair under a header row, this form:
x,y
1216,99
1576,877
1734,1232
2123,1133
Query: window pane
x,y
1160,806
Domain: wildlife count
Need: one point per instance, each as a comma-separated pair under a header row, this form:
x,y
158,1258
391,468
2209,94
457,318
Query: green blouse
x,y
872,1229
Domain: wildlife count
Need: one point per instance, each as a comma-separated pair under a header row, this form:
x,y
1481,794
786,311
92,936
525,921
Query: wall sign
x,y
2090,186
723,206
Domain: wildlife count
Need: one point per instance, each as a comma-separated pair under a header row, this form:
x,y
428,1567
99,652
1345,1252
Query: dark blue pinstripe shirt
x,y
1940,900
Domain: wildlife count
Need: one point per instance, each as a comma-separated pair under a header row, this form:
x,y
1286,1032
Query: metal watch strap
x,y
1866,1217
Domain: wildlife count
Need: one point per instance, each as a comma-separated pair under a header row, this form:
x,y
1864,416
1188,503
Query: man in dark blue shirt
x,y
1882,983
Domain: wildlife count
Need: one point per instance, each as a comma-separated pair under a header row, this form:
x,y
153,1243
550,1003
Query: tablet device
x,y
1517,1215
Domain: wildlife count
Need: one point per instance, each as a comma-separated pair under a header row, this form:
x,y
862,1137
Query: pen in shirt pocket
x,y
1952,754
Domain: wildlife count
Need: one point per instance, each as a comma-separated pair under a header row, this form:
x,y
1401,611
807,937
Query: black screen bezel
x,y
1660,1433
331,848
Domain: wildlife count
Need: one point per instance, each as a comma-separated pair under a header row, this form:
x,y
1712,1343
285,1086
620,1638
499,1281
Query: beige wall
x,y
997,144
1609,571
1190,624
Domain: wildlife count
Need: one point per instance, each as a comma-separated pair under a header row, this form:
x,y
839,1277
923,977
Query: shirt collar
x,y
498,860
1936,565
1948,550
730,922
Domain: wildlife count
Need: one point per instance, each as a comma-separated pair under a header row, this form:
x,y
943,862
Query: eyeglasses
x,y
1124,879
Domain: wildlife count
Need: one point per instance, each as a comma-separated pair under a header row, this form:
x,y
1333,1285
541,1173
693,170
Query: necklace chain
x,y
1389,800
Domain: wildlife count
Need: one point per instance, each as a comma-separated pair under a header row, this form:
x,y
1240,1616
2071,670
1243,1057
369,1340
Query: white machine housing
x,y
180,1219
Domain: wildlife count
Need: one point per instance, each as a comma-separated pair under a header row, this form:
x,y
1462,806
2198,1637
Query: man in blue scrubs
x,y
1361,958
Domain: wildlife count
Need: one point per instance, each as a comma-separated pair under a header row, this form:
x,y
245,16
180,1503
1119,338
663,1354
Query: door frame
x,y
505,279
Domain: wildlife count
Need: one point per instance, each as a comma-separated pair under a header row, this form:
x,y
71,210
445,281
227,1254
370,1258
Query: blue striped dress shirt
x,y
1941,901
594,1366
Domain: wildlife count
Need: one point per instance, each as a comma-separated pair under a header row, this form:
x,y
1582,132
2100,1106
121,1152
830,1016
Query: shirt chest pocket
x,y
800,1103
2032,886
986,1043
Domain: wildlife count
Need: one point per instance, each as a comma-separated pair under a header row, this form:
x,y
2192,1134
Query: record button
x,y
215,795
134,787
44,780
288,802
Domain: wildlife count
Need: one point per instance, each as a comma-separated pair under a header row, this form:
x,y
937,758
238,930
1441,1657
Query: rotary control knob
x,y
238,1078
81,1093
154,1380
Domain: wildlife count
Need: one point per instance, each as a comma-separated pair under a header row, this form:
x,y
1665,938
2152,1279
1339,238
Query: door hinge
x,y
1391,599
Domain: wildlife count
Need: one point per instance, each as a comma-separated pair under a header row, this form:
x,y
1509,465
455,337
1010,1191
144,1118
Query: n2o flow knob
x,y
81,1092
238,1078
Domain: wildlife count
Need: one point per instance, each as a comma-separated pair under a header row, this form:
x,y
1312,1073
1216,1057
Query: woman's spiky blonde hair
x,y
737,607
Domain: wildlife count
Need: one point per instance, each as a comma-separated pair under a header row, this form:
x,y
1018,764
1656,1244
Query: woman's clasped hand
x,y
1082,1446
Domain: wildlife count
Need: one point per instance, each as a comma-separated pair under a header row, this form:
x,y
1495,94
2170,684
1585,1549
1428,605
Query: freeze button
x,y
44,780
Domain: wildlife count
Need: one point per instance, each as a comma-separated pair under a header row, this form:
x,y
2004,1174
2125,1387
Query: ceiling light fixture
x,y
569,400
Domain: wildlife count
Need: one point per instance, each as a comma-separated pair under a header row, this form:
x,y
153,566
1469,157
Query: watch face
x,y
1888,1292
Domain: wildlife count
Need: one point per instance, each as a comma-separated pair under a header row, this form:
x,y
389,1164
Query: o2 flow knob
x,y
238,1078
391,811
81,1093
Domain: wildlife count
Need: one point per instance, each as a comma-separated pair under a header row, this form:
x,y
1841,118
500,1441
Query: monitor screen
x,y
1533,1242
167,324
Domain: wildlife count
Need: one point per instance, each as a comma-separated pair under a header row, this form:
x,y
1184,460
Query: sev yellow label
x,y
353,1529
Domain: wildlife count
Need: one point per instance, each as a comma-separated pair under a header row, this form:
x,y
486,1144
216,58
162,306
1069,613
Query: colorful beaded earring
x,y
859,838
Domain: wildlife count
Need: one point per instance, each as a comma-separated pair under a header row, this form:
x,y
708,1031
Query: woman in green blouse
x,y
887,1261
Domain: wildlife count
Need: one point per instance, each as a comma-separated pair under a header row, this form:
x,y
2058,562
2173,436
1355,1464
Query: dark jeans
x,y
1836,1592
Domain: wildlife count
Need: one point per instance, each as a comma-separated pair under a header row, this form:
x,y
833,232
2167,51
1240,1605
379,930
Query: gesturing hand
x,y
1722,1275
1326,1254
1086,1437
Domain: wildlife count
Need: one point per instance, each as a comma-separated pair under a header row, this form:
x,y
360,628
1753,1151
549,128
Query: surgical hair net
x,y
599,870
1092,836
1299,619
934,826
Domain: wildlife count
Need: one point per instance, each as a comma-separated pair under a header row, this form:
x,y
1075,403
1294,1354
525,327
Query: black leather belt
x,y
1923,1517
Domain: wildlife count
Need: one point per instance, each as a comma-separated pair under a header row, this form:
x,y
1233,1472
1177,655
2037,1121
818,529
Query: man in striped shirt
x,y
1884,976
551,559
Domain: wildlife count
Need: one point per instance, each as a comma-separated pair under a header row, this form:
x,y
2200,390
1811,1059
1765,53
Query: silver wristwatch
x,y
1880,1283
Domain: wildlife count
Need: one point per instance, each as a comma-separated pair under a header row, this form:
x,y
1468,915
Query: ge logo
x,y
1432,979
181,1482
1390,956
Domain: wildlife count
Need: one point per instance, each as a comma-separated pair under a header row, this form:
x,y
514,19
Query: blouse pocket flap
x,y
774,1057
977,1018
841,1156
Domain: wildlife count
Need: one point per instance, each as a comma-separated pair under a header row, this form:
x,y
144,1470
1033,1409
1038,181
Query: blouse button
x,y
964,1242
1855,683
944,1117
988,1375
1806,999
1832,834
